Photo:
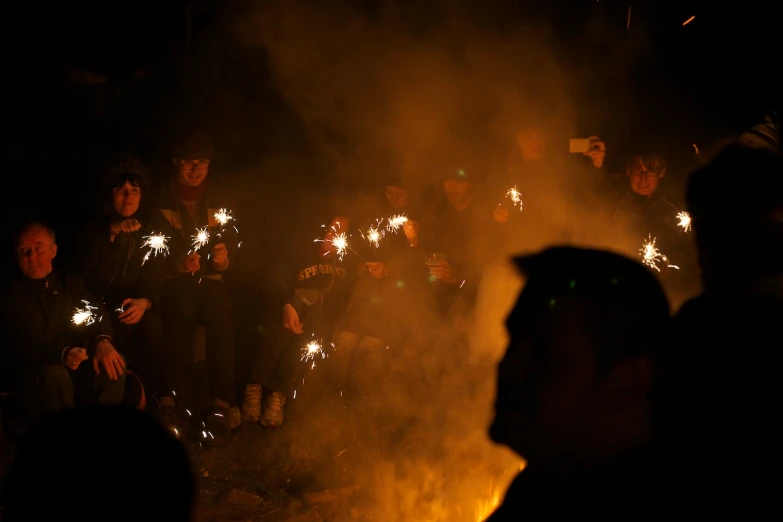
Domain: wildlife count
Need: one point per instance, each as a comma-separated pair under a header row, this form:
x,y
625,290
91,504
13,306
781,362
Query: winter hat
x,y
194,146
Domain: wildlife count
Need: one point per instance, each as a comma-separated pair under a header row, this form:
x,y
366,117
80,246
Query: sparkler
x,y
200,238
394,223
339,241
311,351
515,196
651,256
684,221
223,216
157,244
85,316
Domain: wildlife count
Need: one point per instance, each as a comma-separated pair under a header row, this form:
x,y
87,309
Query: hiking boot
x,y
219,424
273,410
251,406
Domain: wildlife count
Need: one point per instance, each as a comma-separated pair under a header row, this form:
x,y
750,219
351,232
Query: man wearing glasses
x,y
199,218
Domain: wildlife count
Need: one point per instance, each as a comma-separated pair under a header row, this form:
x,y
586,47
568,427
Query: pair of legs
x,y
142,346
59,388
189,302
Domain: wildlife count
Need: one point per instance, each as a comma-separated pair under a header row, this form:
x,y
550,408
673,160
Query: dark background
x,y
81,77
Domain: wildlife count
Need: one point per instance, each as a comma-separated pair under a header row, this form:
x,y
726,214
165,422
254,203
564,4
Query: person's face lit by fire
x,y
35,252
126,199
457,192
339,225
531,143
548,393
644,174
397,197
192,173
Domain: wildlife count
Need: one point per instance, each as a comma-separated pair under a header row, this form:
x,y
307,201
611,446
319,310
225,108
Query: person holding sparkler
x,y
60,342
646,214
125,266
203,248
312,296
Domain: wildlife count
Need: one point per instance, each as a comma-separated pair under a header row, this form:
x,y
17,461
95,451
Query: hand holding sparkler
x,y
377,270
220,257
191,263
132,310
75,357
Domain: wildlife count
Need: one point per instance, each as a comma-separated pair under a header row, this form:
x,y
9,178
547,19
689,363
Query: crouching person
x,y
60,342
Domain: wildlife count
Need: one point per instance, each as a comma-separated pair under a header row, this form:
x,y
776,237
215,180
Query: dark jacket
x,y
630,488
116,268
173,218
720,387
322,281
39,316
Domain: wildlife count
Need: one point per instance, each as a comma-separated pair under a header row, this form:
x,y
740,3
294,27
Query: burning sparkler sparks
x,y
157,244
223,216
515,196
311,350
85,316
338,240
395,222
684,221
200,238
651,256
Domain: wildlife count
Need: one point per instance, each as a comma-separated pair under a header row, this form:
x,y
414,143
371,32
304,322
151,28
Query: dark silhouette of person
x,y
574,387
100,463
720,382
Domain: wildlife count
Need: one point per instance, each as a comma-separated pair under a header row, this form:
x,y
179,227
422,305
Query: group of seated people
x,y
618,409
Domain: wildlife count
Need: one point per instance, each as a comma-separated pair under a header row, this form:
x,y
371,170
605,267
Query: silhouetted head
x,y
574,385
103,463
736,207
